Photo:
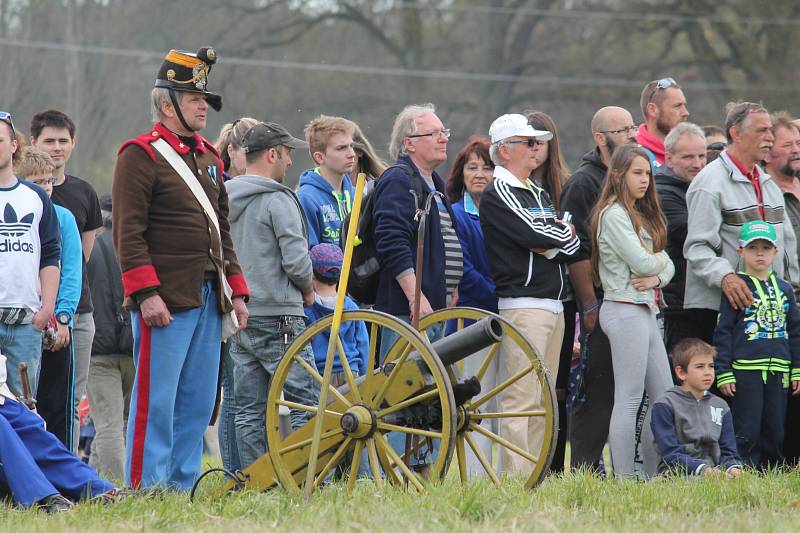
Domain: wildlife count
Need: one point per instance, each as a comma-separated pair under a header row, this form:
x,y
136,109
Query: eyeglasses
x,y
45,181
663,83
6,117
530,141
434,134
626,130
716,146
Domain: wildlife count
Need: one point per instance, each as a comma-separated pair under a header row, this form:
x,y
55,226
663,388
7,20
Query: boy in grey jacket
x,y
268,228
693,429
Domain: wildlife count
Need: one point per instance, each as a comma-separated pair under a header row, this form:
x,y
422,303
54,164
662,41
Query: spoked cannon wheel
x,y
409,395
475,417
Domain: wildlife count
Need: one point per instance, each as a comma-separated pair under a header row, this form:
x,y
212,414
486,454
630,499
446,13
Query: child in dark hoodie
x,y
693,429
326,261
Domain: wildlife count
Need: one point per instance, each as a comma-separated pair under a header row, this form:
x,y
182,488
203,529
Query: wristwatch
x,y
63,318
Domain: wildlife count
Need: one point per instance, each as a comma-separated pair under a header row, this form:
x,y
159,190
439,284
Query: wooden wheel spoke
x,y
487,361
461,456
503,442
500,388
406,403
354,465
305,442
307,408
482,459
318,378
374,464
371,357
332,461
409,430
348,373
509,414
383,443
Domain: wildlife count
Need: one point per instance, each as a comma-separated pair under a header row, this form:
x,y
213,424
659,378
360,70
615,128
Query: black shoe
x,y
55,503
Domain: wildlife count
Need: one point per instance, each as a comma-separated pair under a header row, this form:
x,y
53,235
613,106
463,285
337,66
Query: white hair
x,y
405,124
158,96
681,129
494,152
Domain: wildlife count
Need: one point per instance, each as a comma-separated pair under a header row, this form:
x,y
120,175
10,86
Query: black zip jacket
x,y
672,195
113,334
579,196
515,219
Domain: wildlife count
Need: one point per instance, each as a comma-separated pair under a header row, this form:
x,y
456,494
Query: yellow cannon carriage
x,y
432,398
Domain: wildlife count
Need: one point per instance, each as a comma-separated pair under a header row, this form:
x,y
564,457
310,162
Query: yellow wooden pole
x,y
352,229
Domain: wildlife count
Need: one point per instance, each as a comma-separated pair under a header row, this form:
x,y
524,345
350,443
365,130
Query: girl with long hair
x,y
229,145
629,237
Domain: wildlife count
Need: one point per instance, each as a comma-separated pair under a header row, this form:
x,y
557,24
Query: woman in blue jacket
x,y
469,176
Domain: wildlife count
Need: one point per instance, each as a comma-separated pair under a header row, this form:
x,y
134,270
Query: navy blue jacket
x,y
764,336
477,287
396,240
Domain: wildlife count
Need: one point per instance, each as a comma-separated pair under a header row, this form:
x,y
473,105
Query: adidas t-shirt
x,y
29,241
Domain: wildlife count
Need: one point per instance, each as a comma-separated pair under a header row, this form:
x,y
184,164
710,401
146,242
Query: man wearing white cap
x,y
526,242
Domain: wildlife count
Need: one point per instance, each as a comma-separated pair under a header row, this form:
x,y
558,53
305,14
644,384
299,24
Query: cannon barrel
x,y
469,340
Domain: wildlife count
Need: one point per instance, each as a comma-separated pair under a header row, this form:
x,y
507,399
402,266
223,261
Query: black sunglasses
x,y
530,141
716,146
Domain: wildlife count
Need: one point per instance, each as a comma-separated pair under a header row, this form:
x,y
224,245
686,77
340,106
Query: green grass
x,y
575,502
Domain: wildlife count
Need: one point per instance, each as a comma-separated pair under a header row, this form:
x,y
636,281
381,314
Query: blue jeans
x,y
227,417
388,338
256,352
21,343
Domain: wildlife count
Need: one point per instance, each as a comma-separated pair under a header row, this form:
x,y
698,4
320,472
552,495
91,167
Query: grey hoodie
x,y
693,434
271,241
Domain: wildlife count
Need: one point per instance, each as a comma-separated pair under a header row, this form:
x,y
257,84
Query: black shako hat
x,y
187,72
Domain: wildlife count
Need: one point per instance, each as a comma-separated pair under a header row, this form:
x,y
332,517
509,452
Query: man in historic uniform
x,y
172,236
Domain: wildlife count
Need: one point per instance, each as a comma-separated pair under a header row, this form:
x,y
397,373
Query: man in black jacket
x,y
685,147
611,127
111,372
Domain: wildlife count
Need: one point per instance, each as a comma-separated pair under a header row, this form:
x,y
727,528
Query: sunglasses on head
x,y
663,83
8,119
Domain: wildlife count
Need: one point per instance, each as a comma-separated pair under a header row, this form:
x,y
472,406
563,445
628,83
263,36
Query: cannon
x,y
441,397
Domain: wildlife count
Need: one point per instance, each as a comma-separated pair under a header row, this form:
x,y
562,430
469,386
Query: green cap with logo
x,y
757,230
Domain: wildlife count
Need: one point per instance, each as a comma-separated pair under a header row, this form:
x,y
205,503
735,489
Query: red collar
x,y
752,174
159,130
651,142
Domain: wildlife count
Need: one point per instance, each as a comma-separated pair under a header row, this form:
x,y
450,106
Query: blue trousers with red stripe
x,y
35,464
173,395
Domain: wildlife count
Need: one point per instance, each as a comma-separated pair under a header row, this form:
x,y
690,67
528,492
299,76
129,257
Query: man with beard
x,y
611,127
663,106
783,164
727,193
685,147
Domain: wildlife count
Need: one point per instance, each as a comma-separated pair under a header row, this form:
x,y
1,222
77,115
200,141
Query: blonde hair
x,y
368,162
35,162
319,131
232,134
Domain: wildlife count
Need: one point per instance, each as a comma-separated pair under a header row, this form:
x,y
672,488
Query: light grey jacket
x,y
721,200
271,241
622,253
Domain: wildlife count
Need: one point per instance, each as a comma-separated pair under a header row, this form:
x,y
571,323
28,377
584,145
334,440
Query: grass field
x,y
573,502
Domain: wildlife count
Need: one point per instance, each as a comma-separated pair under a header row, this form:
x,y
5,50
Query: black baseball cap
x,y
267,135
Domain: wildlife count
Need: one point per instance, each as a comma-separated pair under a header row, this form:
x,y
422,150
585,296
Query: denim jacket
x,y
623,253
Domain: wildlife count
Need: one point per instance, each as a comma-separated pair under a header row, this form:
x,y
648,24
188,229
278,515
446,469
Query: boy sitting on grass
x,y
758,350
693,428
326,262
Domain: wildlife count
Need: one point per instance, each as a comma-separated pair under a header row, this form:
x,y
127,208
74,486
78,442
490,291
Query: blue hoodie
x,y
352,333
69,287
324,211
